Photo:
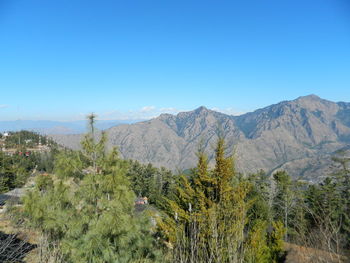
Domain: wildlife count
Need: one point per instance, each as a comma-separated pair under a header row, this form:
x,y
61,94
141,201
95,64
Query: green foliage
x,y
7,174
94,151
276,241
342,181
68,164
315,215
45,160
328,214
261,195
149,181
257,247
27,139
86,210
208,216
16,167
14,170
44,182
284,199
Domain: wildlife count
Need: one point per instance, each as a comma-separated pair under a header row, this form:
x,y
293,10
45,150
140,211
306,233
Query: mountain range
x,y
299,136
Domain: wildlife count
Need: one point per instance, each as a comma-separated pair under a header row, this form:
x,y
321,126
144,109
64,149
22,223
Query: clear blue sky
x,y
62,59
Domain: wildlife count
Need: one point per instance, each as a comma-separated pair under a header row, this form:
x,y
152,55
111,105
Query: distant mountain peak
x,y
201,109
315,103
165,116
311,97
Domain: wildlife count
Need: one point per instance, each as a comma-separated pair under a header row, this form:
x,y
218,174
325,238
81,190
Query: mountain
x,y
299,136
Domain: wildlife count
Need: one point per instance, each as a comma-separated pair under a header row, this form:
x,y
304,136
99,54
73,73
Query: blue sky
x,y
60,60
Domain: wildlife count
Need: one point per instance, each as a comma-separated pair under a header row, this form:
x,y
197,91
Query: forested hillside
x,y
96,207
21,154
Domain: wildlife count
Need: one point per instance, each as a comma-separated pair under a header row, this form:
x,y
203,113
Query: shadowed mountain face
x,y
299,136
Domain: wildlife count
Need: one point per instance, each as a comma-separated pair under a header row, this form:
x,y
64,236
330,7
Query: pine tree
x,y
342,180
261,195
90,218
68,164
207,219
284,200
325,216
257,247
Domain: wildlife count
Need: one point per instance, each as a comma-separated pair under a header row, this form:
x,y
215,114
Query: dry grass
x,y
295,253
299,254
26,235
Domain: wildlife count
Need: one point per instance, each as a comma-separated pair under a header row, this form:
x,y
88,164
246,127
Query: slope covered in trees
x,y
20,155
84,210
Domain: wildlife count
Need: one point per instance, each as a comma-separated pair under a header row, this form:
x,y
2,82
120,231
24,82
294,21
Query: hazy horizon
x,y
147,113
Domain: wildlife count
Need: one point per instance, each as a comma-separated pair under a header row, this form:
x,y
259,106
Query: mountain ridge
x,y
298,135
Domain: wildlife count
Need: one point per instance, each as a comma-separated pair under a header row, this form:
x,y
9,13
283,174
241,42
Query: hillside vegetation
x,y
21,154
92,208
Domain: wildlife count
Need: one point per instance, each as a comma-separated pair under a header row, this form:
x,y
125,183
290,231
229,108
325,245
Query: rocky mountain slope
x,y
299,136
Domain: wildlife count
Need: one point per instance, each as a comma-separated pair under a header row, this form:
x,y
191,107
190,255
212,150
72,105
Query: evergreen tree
x,y
342,180
325,215
284,199
261,195
149,181
207,218
90,218
257,247
68,164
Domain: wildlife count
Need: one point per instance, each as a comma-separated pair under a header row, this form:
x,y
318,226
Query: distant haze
x,y
57,127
